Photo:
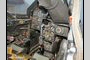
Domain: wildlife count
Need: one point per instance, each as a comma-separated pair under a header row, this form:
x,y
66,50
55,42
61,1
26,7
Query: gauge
x,y
58,30
62,31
